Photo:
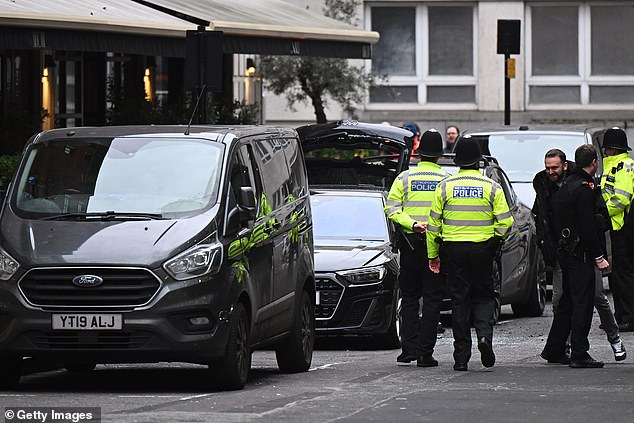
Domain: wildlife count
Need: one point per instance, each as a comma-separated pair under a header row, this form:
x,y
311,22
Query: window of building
x,y
588,65
426,53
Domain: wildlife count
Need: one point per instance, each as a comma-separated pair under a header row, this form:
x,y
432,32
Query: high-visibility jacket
x,y
467,206
411,194
617,187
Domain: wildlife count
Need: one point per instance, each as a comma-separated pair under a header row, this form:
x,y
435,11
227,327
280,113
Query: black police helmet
x,y
430,144
467,152
615,138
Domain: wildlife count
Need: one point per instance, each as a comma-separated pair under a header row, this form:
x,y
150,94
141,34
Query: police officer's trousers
x,y
574,312
469,268
622,279
418,336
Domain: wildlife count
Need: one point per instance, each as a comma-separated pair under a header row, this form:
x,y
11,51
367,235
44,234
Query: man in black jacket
x,y
581,249
546,184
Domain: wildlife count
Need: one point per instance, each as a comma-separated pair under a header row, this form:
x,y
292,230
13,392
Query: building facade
x,y
575,66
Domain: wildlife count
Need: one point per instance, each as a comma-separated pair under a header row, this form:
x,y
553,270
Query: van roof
x,y
209,132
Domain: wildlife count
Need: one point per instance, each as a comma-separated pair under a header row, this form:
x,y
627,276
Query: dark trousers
x,y
574,312
418,336
622,279
469,269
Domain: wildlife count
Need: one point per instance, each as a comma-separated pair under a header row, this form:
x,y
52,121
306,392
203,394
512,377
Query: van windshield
x,y
146,175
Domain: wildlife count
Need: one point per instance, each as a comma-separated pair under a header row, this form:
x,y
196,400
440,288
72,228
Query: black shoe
x,y
426,361
461,367
405,359
626,327
486,352
586,363
556,359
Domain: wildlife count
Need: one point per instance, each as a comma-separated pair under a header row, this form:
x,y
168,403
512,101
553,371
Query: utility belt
x,y
570,245
411,240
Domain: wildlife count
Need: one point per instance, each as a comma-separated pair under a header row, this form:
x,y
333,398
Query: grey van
x,y
158,243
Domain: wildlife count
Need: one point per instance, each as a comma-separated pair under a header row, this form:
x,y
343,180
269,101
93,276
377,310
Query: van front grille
x,y
121,287
89,339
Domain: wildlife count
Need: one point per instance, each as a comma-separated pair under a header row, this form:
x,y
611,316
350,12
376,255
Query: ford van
x,y
158,243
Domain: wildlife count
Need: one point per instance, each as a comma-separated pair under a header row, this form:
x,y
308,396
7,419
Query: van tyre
x,y
10,373
232,371
497,283
295,354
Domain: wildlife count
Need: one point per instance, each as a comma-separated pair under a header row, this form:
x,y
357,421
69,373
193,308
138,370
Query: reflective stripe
x,y
503,215
417,204
392,210
459,222
628,166
624,193
617,203
472,178
457,207
392,203
494,188
420,218
434,214
443,191
442,175
433,228
405,186
502,231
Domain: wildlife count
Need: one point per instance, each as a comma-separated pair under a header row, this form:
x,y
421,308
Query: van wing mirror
x,y
246,202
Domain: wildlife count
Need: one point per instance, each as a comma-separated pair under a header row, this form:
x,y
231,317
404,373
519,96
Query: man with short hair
x,y
546,184
581,251
451,135
617,188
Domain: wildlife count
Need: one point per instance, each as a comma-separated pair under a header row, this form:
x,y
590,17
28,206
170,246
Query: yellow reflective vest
x,y
467,206
411,194
617,187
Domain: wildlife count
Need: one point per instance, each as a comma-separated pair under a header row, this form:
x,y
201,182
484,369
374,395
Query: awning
x,y
158,27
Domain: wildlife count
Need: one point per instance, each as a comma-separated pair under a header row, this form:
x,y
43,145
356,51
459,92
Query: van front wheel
x,y
295,354
233,369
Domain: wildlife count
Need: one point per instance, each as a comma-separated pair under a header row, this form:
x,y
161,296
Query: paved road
x,y
351,382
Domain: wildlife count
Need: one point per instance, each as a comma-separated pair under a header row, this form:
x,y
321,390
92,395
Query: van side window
x,y
242,174
274,170
295,159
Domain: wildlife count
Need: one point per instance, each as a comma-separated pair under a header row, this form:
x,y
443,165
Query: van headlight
x,y
199,260
8,265
364,276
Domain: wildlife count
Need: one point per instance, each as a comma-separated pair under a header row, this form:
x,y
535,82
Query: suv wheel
x,y
295,354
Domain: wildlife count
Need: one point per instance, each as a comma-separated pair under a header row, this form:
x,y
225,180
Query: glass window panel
x,y
555,34
450,40
394,94
612,40
451,94
555,95
611,94
395,53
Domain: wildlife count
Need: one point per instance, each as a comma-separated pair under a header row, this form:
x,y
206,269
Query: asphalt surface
x,y
350,381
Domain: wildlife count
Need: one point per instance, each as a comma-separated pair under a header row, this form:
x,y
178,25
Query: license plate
x,y
87,321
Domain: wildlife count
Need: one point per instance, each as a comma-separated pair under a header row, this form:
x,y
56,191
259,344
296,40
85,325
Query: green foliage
x,y
317,79
8,166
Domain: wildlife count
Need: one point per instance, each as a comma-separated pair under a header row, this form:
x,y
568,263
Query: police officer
x,y
580,251
617,188
408,206
470,216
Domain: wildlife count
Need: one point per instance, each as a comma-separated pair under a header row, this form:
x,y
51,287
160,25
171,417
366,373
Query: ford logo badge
x,y
87,280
